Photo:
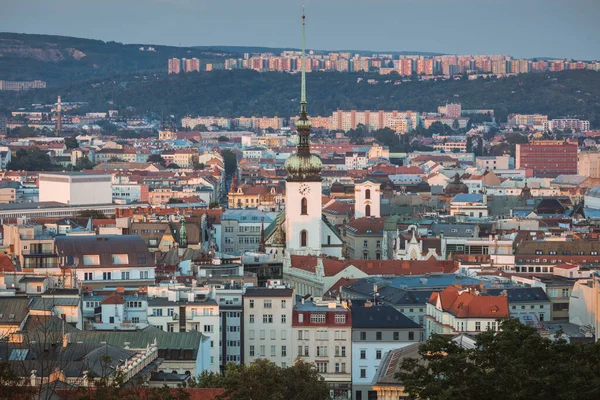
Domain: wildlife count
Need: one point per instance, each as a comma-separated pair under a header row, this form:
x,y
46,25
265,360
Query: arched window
x,y
303,238
304,206
367,210
368,194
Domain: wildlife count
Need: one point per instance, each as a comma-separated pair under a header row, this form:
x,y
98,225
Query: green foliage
x,y
515,363
266,381
32,159
100,59
244,92
173,200
223,139
95,214
157,158
83,163
230,161
201,128
198,166
11,385
71,143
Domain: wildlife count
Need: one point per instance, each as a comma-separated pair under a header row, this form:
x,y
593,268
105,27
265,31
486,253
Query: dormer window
x,y
91,259
120,259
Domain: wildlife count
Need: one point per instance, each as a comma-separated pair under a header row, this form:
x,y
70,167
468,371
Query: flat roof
x,y
72,173
49,204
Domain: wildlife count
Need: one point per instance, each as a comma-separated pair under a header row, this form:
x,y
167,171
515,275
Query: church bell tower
x,y
303,189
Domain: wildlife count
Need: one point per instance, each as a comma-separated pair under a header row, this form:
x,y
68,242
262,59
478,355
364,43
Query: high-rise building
x,y
58,117
588,164
547,158
21,85
174,65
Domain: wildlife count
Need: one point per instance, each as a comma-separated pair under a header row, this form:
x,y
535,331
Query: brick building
x,y
547,158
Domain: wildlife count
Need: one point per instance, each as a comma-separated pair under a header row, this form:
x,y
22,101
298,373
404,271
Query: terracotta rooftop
x,y
468,305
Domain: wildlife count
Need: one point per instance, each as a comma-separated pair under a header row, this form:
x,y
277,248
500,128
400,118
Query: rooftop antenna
x,y
303,88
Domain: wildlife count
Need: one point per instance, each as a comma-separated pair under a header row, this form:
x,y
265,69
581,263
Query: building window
x,y
283,303
378,335
378,354
477,326
267,304
251,350
267,318
303,238
396,335
363,336
135,320
340,319
365,243
322,367
343,351
367,210
125,275
283,318
106,276
363,372
304,206
283,351
251,303
411,336
251,318
317,318
88,276
363,354
262,351
368,194
321,351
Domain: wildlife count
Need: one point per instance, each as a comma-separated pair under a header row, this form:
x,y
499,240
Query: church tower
x,y
303,185
367,199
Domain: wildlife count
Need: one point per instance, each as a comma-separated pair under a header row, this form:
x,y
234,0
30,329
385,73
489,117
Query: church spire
x,y
303,88
303,166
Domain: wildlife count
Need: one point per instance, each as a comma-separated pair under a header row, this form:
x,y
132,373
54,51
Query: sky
x,y
520,28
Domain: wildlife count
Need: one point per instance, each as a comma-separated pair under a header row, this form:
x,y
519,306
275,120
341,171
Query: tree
x,y
32,159
514,363
230,161
173,200
173,166
455,125
198,166
201,128
480,148
83,163
71,143
223,139
94,214
157,158
469,144
266,381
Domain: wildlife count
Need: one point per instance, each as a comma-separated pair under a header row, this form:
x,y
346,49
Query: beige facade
x,y
7,195
588,164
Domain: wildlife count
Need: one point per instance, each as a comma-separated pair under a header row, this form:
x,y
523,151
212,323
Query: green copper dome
x,y
303,168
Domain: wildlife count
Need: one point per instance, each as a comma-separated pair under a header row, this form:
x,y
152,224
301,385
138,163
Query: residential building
x,y
588,164
21,85
188,312
242,230
105,260
451,312
363,238
174,66
469,205
493,162
547,158
267,327
321,335
525,301
376,330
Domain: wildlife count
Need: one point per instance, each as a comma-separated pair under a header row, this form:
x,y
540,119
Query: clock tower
x,y
303,216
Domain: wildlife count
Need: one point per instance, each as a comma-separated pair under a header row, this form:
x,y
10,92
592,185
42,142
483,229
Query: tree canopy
x,y
267,381
515,363
32,159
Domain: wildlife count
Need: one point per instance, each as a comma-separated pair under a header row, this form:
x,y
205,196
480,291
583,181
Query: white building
x,y
469,205
322,336
376,330
356,160
493,162
185,312
75,188
451,312
367,195
268,325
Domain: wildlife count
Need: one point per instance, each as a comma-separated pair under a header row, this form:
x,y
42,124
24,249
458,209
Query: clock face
x,y
304,189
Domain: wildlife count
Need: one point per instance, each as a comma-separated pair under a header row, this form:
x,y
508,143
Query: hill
x,y
244,92
61,59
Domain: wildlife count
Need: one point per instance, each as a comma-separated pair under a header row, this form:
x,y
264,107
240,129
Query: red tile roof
x,y
468,305
114,298
6,264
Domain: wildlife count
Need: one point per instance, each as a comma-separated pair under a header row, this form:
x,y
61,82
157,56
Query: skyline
x,y
564,31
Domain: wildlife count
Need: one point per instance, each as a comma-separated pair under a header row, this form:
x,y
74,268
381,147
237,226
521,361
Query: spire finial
x,y
303,94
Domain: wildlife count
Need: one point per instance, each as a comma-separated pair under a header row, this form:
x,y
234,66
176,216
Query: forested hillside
x,y
244,92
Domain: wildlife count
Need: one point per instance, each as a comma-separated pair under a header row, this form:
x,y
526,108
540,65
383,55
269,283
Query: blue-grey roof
x,y
593,192
246,215
467,198
381,317
526,294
